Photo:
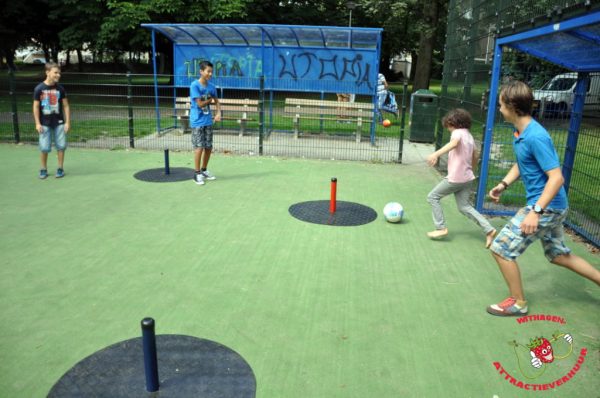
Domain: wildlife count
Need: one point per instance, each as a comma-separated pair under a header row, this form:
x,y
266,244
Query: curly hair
x,y
458,118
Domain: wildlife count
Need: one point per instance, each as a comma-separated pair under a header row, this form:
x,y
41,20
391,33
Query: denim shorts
x,y
202,137
56,134
511,242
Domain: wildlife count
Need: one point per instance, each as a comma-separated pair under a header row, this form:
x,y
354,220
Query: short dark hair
x,y
518,97
458,118
205,64
49,65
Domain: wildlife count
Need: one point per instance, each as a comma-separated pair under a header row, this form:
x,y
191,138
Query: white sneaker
x,y
199,178
208,175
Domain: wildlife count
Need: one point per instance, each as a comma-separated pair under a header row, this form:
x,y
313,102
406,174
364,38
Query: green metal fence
x,y
118,111
472,29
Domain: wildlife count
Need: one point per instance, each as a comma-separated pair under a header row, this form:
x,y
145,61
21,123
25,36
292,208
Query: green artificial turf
x,y
376,310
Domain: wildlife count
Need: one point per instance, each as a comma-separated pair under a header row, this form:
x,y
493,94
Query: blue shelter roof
x,y
573,44
269,35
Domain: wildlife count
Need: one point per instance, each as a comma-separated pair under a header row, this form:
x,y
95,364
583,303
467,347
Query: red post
x,y
332,201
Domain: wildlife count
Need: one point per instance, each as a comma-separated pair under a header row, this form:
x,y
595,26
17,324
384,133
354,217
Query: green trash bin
x,y
423,116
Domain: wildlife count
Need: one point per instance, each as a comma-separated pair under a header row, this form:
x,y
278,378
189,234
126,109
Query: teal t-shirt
x,y
200,117
535,155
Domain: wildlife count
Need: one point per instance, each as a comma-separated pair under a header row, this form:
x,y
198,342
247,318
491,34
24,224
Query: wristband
x,y
505,184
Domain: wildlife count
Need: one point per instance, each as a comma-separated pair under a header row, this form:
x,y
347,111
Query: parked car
x,y
555,98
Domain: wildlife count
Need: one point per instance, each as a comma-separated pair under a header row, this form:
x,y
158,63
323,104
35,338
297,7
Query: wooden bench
x,y
241,110
352,112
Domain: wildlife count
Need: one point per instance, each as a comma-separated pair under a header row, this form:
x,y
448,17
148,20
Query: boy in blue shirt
x,y
202,94
547,205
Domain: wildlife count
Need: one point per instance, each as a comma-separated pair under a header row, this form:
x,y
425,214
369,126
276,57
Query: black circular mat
x,y
158,175
346,213
187,367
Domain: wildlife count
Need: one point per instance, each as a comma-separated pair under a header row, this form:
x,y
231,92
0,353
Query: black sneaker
x,y
43,174
60,173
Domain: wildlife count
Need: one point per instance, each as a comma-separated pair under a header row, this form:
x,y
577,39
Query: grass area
x,y
372,311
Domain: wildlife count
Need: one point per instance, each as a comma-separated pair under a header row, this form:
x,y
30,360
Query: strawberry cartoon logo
x,y
541,351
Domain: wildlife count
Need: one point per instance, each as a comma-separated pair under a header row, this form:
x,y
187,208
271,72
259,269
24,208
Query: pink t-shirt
x,y
460,168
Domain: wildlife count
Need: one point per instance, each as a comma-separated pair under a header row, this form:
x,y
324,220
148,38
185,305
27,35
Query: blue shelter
x,y
285,58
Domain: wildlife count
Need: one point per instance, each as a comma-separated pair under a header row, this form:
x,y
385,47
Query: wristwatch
x,y
538,209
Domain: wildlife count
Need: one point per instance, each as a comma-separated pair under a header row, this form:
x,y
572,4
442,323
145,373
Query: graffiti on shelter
x,y
300,65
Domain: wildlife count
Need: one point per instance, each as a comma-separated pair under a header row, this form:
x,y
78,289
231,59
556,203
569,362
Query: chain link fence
x,y
119,111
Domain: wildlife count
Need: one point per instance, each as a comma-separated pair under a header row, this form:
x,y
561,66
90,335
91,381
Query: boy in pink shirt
x,y
460,177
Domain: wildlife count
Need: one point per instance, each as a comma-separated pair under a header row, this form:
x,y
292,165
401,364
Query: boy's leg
x,y
60,140
45,145
207,143
197,157
206,157
508,245
512,275
44,160
578,265
557,253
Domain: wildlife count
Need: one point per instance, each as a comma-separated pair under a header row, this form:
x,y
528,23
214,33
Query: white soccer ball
x,y
393,212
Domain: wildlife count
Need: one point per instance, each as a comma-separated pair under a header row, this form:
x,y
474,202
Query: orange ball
x,y
387,123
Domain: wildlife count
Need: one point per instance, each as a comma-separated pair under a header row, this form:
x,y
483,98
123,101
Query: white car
x,y
556,97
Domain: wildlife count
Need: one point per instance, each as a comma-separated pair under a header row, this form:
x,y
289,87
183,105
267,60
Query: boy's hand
x,y
67,127
530,223
217,117
432,159
496,192
39,128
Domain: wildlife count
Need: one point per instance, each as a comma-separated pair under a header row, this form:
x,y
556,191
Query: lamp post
x,y
350,5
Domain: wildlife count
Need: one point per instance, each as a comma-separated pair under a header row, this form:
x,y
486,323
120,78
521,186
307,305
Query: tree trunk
x,y
9,54
426,43
79,60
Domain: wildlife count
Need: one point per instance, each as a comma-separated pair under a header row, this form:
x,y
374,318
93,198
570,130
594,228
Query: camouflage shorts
x,y
511,242
202,137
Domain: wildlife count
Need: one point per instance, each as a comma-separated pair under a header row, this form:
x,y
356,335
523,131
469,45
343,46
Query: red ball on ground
x,y
387,123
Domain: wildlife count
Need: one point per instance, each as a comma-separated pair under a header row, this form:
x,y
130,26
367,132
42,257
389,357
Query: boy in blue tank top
x,y
547,204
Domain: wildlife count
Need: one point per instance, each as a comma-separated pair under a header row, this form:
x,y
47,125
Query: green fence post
x,y
130,111
13,103
261,115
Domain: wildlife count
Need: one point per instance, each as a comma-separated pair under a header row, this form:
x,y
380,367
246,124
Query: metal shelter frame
x,y
358,49
573,44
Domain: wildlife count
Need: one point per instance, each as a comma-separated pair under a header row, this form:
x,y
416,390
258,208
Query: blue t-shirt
x,y
535,155
200,117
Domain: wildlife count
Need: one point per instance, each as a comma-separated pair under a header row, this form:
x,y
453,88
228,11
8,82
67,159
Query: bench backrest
x,y
227,104
323,107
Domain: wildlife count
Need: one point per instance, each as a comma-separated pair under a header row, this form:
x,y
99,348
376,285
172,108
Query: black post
x,y
403,119
13,101
261,115
130,111
167,168
150,359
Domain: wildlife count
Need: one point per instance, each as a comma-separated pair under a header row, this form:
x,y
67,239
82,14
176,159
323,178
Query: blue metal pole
x,y
167,168
155,81
150,359
375,101
489,127
574,126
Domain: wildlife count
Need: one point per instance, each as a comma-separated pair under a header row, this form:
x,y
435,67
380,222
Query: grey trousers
x,y
462,192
